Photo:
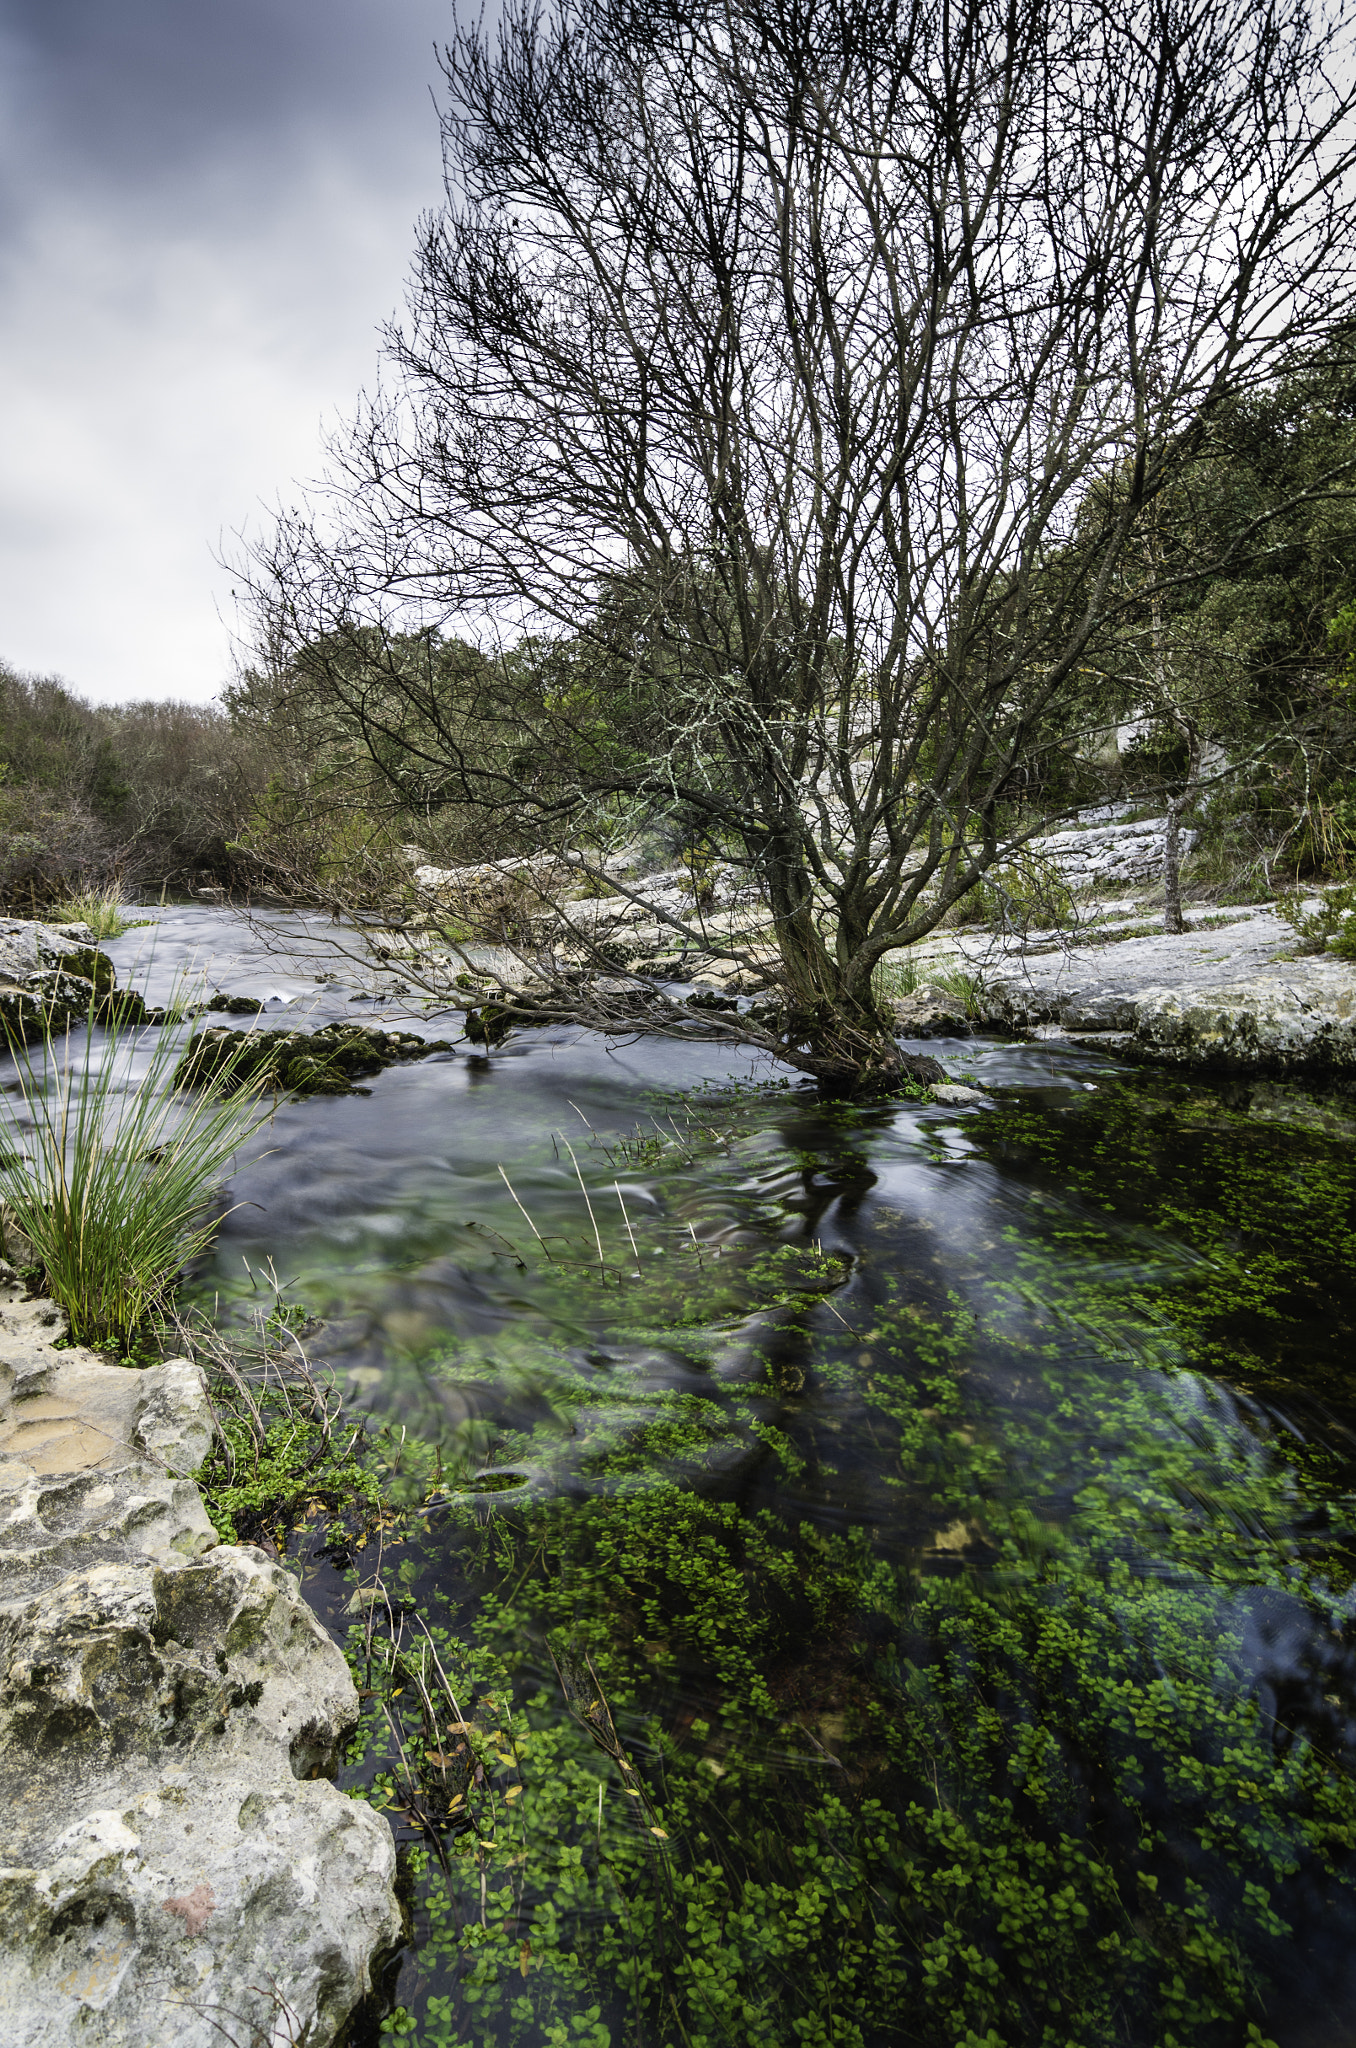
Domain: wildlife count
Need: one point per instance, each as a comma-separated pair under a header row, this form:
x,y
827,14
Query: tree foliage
x,y
815,371
129,793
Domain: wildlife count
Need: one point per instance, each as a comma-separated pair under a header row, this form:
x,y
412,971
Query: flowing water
x,y
882,1575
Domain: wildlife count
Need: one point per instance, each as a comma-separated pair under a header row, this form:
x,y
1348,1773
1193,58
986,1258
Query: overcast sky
x,y
206,207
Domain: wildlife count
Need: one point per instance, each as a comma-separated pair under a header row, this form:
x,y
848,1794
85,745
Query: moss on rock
x,y
324,1062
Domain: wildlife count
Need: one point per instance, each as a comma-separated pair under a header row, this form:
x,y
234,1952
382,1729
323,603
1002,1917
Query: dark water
x,y
889,1573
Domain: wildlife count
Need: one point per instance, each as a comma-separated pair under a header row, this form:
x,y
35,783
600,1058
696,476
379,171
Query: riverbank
x,y
1234,992
176,1864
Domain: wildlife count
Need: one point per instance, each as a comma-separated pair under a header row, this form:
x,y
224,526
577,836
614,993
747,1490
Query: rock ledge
x,y
176,1869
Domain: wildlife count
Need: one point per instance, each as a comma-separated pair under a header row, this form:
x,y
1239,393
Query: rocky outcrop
x,y
1111,853
1299,1023
54,975
1235,997
176,1868
931,1012
49,976
629,920
324,1062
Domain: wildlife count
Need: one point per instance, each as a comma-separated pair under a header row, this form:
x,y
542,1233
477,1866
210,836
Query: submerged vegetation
x,y
974,1667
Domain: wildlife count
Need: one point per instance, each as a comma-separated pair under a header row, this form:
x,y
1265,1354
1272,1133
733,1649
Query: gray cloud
x,y
206,212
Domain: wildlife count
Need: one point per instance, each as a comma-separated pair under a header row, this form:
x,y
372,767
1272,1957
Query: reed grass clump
x,y
100,909
109,1175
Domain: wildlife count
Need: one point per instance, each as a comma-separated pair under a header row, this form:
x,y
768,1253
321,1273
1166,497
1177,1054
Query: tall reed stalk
x,y
111,1182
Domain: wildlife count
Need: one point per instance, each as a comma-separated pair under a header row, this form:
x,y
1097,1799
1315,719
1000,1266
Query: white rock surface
x,y
1237,995
1111,854
1296,1021
930,1012
175,1868
26,946
42,974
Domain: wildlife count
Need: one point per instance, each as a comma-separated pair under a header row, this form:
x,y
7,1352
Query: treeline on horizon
x,y
273,789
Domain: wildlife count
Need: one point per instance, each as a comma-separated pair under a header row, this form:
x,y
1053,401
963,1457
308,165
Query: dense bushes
x,y
144,793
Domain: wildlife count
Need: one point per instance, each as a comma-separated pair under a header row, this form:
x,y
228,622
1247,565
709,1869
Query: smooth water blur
x,y
1095,1334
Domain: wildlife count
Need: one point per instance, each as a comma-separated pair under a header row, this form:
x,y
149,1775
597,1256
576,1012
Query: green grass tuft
x,y
110,1183
100,909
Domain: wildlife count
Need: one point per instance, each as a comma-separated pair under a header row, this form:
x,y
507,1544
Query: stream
x,y
881,1574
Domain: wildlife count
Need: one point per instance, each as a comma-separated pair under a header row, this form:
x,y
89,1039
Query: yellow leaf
x,y
513,1791
661,1832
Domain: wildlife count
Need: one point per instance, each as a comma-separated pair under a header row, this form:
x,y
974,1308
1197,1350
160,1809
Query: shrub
x,y
100,909
1331,924
1021,895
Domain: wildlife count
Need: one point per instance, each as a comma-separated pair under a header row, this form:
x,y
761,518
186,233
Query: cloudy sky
x,y
206,207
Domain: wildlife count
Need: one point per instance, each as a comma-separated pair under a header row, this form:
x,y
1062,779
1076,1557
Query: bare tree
x,y
809,366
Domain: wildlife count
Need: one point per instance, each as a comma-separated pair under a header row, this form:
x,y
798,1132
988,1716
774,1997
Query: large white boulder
x,y
174,1866
1274,1021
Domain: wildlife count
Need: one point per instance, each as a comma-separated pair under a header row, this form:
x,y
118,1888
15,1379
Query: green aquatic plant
x,y
110,1177
987,1825
1249,1215
792,1787
915,1675
287,1456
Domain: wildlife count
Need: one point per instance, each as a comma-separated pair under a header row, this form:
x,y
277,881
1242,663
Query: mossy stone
x,y
91,965
324,1062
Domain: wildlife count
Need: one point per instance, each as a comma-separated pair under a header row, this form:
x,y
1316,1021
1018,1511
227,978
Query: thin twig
x,y
627,1221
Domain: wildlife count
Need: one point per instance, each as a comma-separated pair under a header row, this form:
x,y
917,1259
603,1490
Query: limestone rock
x,y
931,1012
1111,854
1096,1009
1234,997
49,975
173,1865
196,1913
324,1062
1271,1022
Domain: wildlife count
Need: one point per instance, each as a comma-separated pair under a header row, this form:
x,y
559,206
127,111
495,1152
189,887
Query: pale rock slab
x,y
1291,1023
931,1012
174,1867
1113,854
1235,996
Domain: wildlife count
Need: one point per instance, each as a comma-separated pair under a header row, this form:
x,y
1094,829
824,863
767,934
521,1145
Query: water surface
x,y
889,1576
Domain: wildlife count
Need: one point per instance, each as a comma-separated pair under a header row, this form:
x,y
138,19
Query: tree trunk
x,y
1173,920
1172,868
840,1034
